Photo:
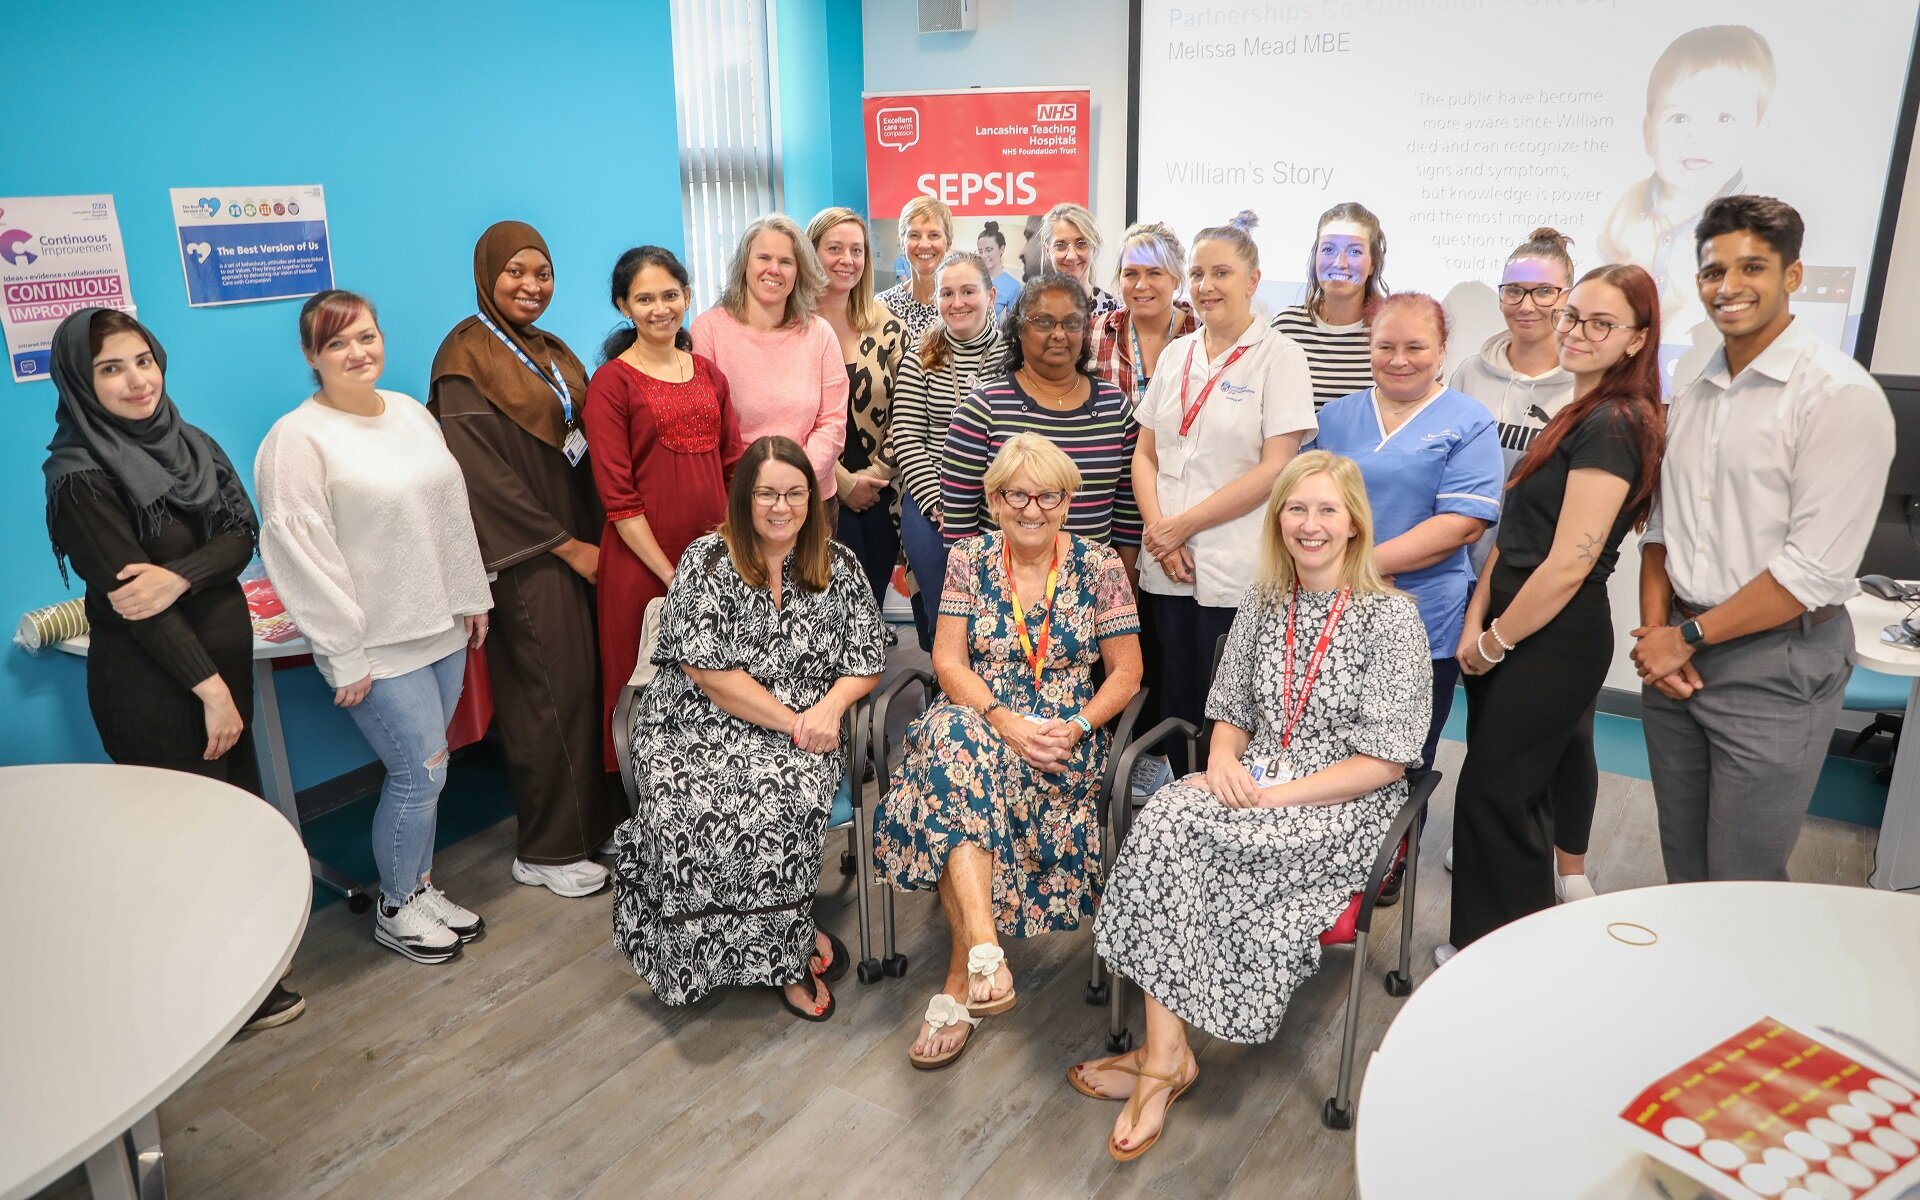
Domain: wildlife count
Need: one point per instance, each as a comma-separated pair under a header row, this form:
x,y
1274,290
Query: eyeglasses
x,y
1596,329
1543,294
1018,500
767,497
1047,325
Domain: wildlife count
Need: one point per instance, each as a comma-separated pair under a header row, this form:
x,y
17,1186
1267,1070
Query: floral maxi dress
x,y
1217,912
715,874
961,783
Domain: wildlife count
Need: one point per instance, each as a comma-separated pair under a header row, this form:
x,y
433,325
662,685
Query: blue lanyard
x,y
1140,369
559,389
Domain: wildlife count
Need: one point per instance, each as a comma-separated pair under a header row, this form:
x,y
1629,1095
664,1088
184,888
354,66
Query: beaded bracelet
x,y
1493,627
1479,644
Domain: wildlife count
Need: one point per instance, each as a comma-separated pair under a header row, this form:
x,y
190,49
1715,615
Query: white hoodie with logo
x,y
1521,404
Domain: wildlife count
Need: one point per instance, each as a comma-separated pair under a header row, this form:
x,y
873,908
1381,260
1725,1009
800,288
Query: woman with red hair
x,y
1539,632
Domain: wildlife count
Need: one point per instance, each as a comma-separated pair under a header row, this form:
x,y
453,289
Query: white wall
x,y
1896,348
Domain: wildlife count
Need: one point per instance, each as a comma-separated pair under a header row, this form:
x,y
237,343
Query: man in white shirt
x,y
1775,465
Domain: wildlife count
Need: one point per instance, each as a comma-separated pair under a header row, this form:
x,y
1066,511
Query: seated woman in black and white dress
x,y
1226,880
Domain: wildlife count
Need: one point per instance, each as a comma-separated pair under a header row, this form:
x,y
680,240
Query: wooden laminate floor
x,y
538,1066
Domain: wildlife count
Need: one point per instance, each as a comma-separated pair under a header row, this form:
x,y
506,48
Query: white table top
x,y
144,915
1508,1066
79,645
1870,615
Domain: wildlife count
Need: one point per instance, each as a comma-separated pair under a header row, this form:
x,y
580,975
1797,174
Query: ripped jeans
x,y
405,720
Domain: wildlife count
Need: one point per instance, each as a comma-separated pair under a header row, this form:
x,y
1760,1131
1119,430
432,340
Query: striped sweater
x,y
1098,436
923,404
1338,356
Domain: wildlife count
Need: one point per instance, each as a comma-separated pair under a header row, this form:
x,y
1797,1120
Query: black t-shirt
x,y
1604,441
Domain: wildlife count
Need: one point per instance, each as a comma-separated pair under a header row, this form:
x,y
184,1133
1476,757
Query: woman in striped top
x,y
962,348
1048,390
1348,258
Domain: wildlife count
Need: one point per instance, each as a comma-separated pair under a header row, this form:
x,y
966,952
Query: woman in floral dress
x,y
996,805
1227,879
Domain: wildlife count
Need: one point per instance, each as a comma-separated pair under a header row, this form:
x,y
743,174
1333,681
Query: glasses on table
x,y
1544,294
1018,500
768,498
1049,324
1594,329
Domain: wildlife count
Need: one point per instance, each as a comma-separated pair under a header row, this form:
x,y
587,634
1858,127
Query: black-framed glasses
x,y
767,497
1544,294
1018,500
1595,329
1047,325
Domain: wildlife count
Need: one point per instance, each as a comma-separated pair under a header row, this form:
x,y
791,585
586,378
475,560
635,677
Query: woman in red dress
x,y
664,443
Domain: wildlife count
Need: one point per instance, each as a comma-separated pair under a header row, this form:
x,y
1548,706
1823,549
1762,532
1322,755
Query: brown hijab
x,y
472,351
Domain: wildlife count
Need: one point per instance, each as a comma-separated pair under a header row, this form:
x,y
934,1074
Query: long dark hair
x,y
1030,293
812,552
1631,386
632,263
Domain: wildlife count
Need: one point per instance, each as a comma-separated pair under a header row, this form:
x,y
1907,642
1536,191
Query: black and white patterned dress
x,y
1217,912
715,874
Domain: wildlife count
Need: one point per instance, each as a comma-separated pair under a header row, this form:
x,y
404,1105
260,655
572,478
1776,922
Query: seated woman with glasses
x,y
769,635
995,808
1049,388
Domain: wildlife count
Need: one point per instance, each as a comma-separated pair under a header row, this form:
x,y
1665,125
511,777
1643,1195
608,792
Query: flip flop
x,y
944,1012
837,965
1099,1064
802,1013
985,961
1137,1104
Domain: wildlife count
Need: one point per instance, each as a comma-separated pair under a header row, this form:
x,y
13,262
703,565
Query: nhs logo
x,y
1057,112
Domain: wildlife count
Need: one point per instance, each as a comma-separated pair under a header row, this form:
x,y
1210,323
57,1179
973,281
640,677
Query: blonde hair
x,y
936,344
862,313
1080,219
1357,571
1158,244
1546,244
1045,463
926,206
1237,233
810,279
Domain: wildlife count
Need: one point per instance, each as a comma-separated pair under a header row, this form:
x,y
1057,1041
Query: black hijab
x,y
163,466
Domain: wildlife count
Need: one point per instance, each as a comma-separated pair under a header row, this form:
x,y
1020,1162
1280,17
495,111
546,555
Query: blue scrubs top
x,y
1445,459
1006,289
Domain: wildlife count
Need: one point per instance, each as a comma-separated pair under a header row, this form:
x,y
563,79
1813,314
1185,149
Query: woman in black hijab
x,y
151,515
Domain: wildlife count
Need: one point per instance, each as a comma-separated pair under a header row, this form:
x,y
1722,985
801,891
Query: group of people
x,y
1295,532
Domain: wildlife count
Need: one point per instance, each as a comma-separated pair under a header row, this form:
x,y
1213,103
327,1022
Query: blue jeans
x,y
927,560
874,541
405,720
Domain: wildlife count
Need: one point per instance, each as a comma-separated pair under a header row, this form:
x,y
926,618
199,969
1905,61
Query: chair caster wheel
x,y
1120,1043
1097,993
894,965
868,971
846,862
1398,984
1334,1116
359,903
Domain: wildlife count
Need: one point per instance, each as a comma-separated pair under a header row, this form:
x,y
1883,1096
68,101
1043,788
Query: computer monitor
x,y
1894,548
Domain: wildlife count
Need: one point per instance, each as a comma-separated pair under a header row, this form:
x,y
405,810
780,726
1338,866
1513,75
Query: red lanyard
x,y
1036,658
1295,709
1187,415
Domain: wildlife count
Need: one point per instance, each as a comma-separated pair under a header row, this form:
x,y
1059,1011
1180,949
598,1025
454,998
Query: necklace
x,y
1040,393
667,371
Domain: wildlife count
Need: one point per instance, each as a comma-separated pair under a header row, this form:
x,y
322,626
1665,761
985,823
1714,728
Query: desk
x,y
1897,861
270,746
145,914
1553,1027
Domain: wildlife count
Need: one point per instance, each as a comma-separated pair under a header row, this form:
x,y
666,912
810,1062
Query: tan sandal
x,y
944,1012
1137,1105
1100,1064
985,961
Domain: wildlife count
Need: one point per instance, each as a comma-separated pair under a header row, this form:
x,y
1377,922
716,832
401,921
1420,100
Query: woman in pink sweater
x,y
781,360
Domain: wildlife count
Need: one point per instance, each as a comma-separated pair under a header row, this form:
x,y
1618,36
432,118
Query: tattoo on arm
x,y
1590,547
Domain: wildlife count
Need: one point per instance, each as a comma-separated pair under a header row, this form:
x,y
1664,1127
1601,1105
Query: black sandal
x,y
838,966
802,1013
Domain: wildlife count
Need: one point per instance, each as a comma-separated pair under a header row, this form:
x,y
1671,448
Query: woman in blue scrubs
x,y
1431,459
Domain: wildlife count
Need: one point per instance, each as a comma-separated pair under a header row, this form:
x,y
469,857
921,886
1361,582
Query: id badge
x,y
1173,460
575,447
1271,772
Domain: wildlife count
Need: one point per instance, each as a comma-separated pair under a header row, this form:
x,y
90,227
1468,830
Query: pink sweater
x,y
791,382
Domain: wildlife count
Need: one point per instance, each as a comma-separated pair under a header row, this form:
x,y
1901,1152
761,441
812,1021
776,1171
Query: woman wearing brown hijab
x,y
508,396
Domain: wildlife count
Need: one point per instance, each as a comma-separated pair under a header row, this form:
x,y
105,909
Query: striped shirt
x,y
923,402
1098,436
1338,357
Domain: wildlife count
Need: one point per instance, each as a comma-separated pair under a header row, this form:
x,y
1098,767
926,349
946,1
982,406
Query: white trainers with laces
x,y
412,930
464,923
572,880
1150,774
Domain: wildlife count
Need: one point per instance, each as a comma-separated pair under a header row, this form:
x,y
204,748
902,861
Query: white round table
x,y
1897,859
144,915
1505,1071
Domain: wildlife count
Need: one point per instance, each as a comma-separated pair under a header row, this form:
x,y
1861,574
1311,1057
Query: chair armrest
x,y
622,733
1121,814
881,707
857,724
1122,727
1421,783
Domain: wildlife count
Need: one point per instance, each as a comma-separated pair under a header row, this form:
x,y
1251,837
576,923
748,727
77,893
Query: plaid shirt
x,y
1112,339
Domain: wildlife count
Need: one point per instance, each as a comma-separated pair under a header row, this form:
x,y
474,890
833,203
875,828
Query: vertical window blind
x,y
725,91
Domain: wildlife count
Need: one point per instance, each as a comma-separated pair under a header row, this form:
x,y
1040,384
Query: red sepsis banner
x,y
986,153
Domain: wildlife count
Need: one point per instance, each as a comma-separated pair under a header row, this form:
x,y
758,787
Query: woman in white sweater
x,y
368,540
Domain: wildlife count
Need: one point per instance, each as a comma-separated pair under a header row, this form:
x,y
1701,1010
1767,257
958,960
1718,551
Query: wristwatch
x,y
1691,635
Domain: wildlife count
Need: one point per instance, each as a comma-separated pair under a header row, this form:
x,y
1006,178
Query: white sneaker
x,y
414,931
1150,774
1449,858
1569,888
572,880
463,923
1442,953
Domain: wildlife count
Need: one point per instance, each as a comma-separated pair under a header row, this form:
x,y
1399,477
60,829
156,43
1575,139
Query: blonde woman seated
x,y
996,805
1227,879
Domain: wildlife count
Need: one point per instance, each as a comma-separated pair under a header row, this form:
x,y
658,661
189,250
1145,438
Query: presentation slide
x,y
1464,124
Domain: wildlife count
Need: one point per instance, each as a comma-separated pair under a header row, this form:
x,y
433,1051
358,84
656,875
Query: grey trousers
x,y
1735,765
